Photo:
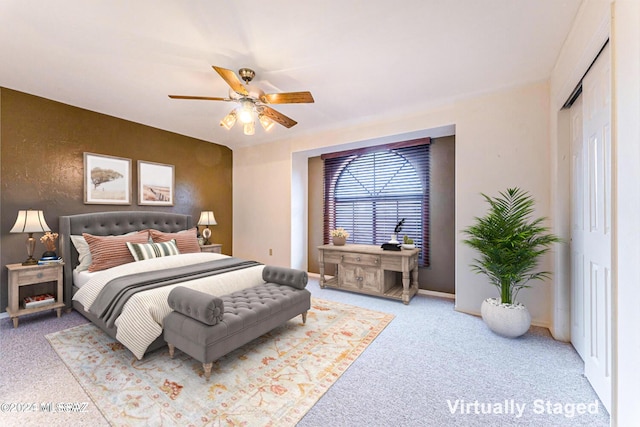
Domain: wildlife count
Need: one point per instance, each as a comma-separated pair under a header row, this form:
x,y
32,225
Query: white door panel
x,y
591,227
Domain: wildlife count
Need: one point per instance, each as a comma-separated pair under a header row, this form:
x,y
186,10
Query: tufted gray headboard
x,y
110,223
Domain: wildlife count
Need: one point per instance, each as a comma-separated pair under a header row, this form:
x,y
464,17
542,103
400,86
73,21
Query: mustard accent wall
x,y
41,153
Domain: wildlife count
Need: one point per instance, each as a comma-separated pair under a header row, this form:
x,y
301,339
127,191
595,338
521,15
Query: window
x,y
369,191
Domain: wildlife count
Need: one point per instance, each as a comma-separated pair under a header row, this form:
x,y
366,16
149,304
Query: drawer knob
x,y
40,275
358,259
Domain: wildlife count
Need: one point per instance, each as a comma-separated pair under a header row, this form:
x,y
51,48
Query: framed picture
x,y
107,180
155,184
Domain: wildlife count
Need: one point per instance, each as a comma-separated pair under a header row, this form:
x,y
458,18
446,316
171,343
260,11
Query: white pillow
x,y
84,255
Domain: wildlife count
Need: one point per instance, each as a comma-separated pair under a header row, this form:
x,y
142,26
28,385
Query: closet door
x,y
578,174
591,241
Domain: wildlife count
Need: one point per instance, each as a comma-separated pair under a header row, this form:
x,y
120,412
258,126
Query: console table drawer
x,y
332,257
361,259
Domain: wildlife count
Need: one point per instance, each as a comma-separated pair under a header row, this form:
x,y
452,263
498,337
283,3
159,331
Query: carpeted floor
x,y
427,360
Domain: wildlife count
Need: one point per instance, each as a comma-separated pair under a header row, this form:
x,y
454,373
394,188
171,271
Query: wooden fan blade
x,y
278,117
287,98
232,80
204,98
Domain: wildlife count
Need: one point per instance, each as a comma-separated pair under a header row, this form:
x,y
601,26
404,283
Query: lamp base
x,y
206,233
30,261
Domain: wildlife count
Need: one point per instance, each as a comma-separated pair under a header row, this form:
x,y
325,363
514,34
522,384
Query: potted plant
x,y
339,236
510,245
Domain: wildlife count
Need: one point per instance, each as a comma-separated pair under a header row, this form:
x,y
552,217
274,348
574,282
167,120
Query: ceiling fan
x,y
252,101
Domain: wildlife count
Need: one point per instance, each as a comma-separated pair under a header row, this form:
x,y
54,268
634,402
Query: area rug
x,y
272,381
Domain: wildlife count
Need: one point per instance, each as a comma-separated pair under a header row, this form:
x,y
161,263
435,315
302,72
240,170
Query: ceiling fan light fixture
x,y
266,122
229,120
249,128
252,102
246,112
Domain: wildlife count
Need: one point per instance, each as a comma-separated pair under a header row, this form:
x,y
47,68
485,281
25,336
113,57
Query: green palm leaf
x,y
509,243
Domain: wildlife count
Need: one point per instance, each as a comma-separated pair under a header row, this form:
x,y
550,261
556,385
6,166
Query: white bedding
x,y
82,277
140,322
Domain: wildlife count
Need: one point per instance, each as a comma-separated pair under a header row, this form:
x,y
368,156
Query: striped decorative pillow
x,y
187,240
142,251
111,251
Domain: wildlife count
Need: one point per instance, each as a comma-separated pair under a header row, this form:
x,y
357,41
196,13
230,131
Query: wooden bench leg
x,y
304,317
207,370
172,349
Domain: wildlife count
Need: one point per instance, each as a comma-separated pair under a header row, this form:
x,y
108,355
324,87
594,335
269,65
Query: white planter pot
x,y
508,320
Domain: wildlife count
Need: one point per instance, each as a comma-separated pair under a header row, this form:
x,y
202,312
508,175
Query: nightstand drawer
x,y
215,248
36,275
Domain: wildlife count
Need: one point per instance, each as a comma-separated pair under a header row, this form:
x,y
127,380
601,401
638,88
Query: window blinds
x,y
369,192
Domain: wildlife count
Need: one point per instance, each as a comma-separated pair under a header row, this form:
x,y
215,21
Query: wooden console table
x,y
369,270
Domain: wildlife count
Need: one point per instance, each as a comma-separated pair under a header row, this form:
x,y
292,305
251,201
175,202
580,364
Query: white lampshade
x,y
30,221
207,218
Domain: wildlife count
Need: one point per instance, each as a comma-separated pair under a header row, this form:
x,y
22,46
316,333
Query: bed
x,y
137,322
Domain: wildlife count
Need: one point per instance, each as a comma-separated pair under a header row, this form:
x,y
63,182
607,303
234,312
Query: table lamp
x,y
207,218
30,221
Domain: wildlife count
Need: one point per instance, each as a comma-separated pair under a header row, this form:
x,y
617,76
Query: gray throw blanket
x,y
117,292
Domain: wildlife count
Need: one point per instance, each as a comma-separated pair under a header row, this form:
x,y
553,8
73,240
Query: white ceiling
x,y
361,60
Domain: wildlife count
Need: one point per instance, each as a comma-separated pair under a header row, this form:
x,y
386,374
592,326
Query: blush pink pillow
x,y
186,240
111,251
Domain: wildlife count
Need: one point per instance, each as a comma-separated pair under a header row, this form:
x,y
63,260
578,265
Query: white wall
x,y
626,137
494,133
502,141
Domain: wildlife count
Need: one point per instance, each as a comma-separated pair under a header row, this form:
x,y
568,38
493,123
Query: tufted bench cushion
x,y
197,328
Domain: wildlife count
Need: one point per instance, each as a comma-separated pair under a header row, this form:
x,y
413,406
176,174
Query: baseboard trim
x,y
477,314
4,315
436,294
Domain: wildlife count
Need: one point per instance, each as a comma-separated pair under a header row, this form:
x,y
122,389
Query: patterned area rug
x,y
272,381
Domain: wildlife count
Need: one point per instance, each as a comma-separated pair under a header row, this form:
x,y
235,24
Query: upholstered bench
x,y
206,327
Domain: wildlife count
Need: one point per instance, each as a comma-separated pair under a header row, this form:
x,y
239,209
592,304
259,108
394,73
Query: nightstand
x,y
31,280
215,248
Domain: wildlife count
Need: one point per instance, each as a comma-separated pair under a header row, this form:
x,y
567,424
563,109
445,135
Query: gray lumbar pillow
x,y
285,276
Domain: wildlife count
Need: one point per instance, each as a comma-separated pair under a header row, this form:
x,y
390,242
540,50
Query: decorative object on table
x,y
38,300
390,247
396,230
50,260
49,241
407,243
206,219
156,182
339,236
30,221
510,245
107,180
